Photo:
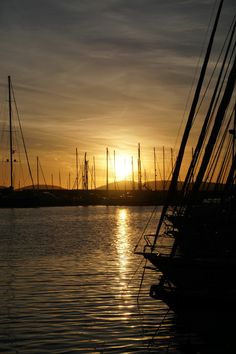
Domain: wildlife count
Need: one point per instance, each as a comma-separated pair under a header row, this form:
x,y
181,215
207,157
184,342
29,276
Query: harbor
x,y
117,177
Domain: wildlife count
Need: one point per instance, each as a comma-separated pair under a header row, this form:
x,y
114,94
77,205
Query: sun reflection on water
x,y
122,243
123,247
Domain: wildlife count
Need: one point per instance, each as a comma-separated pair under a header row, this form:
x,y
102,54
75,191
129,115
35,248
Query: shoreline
x,y
60,197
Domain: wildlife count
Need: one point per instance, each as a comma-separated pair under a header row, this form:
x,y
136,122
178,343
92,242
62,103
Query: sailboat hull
x,y
197,281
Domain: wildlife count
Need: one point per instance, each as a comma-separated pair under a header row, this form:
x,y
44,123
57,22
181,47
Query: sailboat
x,y
194,246
9,196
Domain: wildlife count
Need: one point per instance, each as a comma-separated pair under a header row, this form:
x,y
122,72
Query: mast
x,y
77,168
139,170
59,177
125,170
188,126
201,139
107,171
164,168
37,172
94,173
114,170
132,166
216,127
10,132
172,161
85,172
194,105
155,169
192,176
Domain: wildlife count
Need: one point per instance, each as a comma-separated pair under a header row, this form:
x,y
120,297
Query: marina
x,y
118,205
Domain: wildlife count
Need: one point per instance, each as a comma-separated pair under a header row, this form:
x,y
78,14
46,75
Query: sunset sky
x,y
94,74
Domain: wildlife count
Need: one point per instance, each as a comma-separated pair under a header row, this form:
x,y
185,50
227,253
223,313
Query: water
x,y
70,283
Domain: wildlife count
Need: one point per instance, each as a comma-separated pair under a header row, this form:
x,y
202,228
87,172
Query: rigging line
x,y
227,162
175,176
222,109
213,165
21,170
22,136
232,28
209,116
74,185
133,275
215,162
157,330
4,123
232,175
211,110
195,73
138,296
216,154
159,170
196,160
41,169
145,228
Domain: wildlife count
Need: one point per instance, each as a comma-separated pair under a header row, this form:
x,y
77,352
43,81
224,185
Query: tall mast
x,y
85,171
59,178
155,168
77,168
229,89
125,170
10,132
139,170
94,173
37,172
164,169
114,170
193,107
188,126
172,161
132,166
107,171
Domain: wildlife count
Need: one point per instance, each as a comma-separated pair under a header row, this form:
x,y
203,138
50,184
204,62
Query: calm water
x,y
69,283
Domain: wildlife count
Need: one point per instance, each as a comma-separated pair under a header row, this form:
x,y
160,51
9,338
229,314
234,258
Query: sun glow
x,y
123,168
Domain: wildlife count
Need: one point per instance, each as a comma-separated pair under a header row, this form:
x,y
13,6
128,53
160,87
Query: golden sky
x,y
94,74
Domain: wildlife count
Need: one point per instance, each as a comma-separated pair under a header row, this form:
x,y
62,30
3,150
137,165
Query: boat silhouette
x,y
194,246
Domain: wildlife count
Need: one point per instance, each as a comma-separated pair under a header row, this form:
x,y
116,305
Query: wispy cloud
x,y
96,72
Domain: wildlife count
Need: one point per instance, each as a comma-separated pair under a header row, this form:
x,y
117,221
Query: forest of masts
x,y
85,173
85,178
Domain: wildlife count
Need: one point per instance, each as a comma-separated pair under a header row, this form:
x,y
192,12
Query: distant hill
x,y
128,185
119,185
41,186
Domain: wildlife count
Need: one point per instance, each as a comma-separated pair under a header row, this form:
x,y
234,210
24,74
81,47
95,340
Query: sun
x,y
123,168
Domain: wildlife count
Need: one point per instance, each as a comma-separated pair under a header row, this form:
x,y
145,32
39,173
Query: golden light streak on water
x,y
122,244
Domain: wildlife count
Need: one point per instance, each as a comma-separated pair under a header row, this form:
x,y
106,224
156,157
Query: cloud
x,y
98,72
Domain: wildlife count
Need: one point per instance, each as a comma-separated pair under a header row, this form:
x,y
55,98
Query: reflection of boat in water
x,y
198,259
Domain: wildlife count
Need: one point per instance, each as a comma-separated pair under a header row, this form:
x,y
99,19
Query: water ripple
x,y
66,283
